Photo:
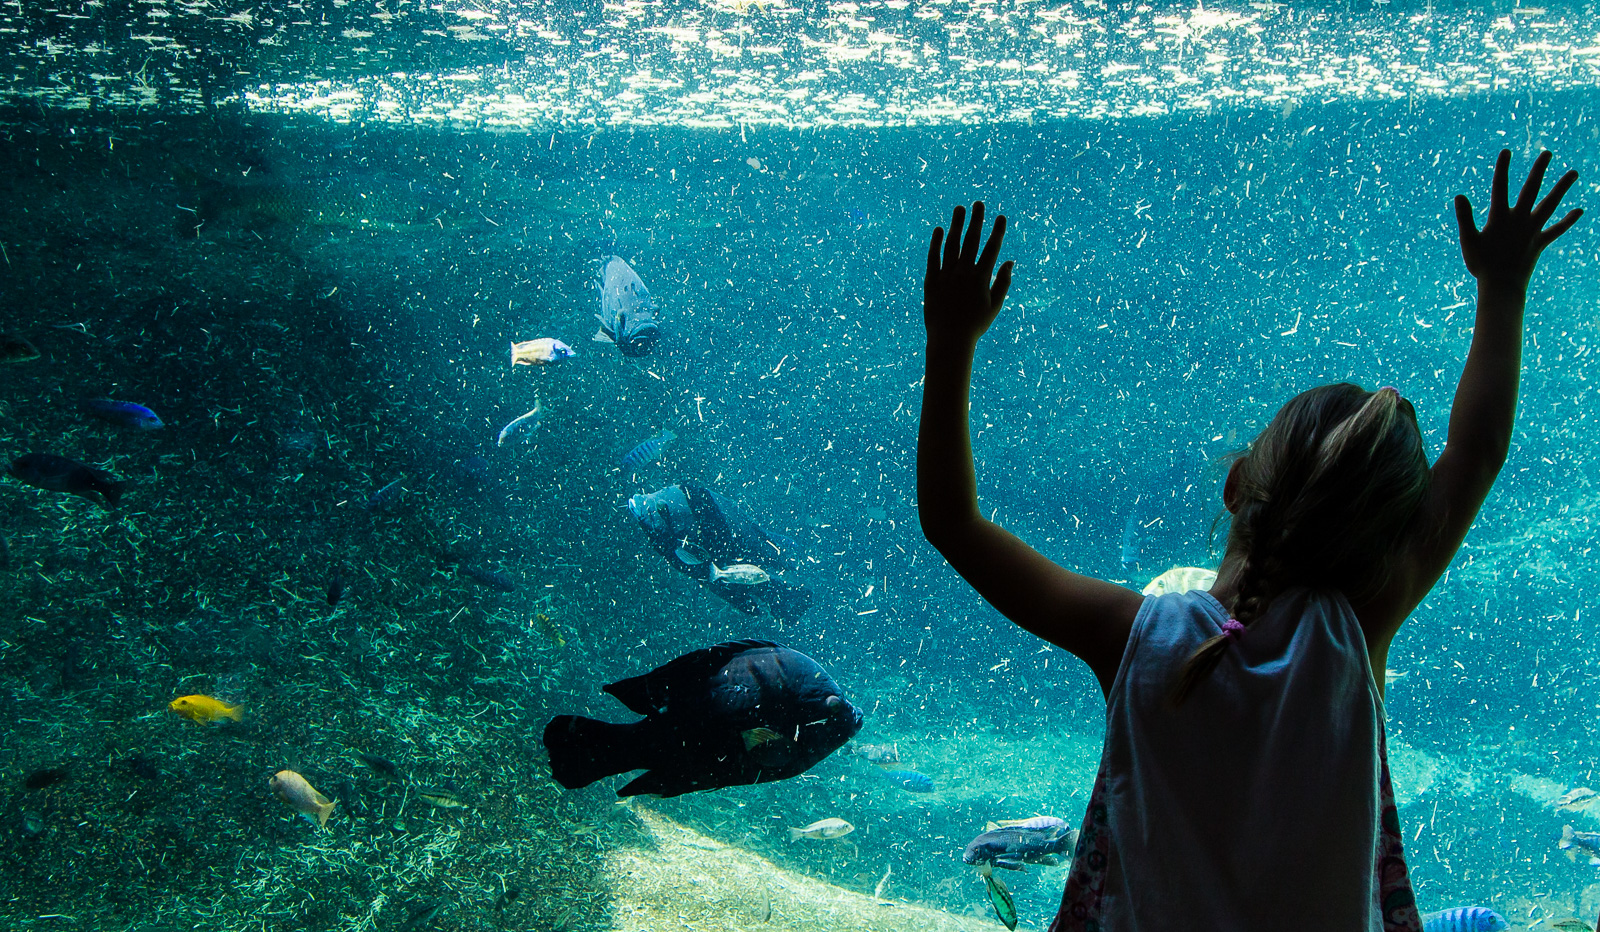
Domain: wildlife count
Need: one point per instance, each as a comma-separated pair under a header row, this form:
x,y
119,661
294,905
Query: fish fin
x,y
600,336
663,785
109,488
583,750
646,693
234,712
758,736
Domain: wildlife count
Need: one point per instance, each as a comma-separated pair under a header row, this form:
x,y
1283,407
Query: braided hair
x,y
1324,498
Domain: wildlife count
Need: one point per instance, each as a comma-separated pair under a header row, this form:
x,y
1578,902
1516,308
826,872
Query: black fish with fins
x,y
695,528
59,474
739,713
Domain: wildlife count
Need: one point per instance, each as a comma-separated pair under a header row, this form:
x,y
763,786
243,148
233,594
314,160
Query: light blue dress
x,y
1263,802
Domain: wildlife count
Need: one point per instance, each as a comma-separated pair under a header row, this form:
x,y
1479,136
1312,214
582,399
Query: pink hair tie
x,y
1232,629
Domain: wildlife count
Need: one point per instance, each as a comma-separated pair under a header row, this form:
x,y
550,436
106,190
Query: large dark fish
x,y
694,528
59,474
627,312
735,714
16,349
1036,841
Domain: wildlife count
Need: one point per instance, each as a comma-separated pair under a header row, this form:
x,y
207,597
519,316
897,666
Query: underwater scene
x,y
401,401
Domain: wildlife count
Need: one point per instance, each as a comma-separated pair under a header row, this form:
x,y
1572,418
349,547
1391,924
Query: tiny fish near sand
x,y
298,794
522,427
822,829
648,451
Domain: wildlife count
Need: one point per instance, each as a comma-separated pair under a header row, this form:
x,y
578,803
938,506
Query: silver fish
x,y
742,574
522,425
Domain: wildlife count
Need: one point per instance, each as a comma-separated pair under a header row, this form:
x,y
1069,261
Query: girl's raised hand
x,y
958,299
1505,251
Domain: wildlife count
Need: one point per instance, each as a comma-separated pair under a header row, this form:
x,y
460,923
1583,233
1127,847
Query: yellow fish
x,y
302,797
204,709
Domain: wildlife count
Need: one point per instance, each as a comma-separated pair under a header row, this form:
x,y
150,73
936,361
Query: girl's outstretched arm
x,y
1501,256
1087,616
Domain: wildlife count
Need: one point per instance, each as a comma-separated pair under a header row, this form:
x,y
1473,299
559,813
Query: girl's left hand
x,y
958,299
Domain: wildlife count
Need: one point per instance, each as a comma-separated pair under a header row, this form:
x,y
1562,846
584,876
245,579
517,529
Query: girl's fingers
x,y
1547,207
952,242
1002,284
1464,217
1497,192
933,250
991,250
1549,236
1530,188
969,249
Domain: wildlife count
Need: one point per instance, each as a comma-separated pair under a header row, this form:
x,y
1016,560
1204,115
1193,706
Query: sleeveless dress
x,y
1263,802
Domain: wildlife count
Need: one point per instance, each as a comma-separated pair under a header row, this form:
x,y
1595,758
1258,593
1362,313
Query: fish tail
x,y
513,354
235,713
112,490
583,750
795,834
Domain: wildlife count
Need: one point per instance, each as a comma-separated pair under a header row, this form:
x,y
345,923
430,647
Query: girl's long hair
x,y
1324,499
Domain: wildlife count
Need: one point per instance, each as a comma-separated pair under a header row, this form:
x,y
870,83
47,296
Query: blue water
x,y
340,319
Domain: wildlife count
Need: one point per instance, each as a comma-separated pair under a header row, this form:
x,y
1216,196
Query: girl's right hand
x,y
958,300
1505,251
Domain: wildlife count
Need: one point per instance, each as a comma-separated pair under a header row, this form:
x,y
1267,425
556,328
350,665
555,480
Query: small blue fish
x,y
647,452
910,780
1464,919
123,413
383,496
494,579
1130,542
522,426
